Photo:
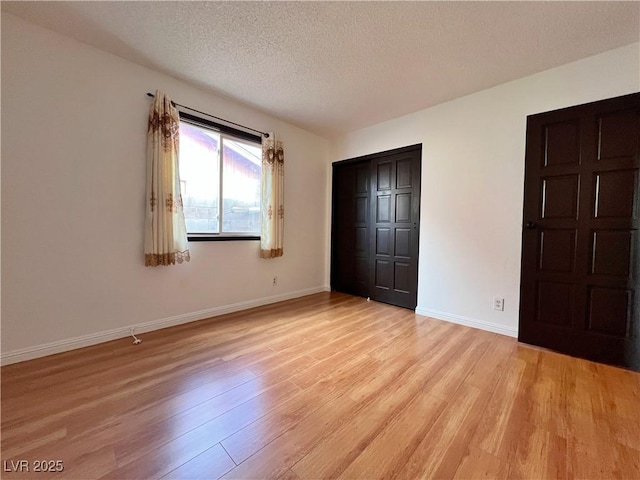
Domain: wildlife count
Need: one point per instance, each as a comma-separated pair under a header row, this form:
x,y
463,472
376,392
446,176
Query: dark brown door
x,y
375,226
580,242
395,215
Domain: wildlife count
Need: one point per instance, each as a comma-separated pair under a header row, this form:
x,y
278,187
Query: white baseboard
x,y
468,322
37,351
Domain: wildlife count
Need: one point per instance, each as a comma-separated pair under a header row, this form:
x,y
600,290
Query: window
x,y
220,173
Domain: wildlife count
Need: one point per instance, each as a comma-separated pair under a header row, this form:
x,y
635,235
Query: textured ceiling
x,y
333,67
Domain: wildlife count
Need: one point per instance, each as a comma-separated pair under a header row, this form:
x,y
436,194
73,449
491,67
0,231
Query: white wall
x,y
73,173
472,181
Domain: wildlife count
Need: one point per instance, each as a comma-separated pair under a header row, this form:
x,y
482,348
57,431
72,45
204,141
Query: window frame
x,y
230,132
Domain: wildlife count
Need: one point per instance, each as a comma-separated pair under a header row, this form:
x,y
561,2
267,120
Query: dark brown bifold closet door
x,y
376,226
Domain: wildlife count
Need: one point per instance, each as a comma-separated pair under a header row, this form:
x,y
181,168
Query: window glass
x,y
241,186
220,178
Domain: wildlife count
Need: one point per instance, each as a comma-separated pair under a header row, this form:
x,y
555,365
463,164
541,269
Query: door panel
x,y
403,243
618,135
555,303
609,310
402,277
403,207
615,194
557,250
350,229
560,197
580,242
383,209
383,172
383,242
395,225
561,144
362,210
612,253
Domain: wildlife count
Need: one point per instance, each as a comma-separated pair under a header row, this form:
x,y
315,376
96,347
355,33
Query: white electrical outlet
x,y
275,281
498,304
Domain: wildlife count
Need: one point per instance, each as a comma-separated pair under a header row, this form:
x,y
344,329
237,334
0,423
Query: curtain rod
x,y
213,116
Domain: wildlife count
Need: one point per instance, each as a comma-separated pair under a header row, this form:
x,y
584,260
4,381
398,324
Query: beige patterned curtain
x,y
165,239
272,231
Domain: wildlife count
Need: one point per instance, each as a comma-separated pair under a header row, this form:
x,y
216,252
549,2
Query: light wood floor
x,y
328,386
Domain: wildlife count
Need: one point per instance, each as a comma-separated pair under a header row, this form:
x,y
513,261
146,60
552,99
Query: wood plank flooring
x,y
326,386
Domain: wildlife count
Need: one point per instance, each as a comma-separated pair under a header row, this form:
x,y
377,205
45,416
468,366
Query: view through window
x,y
220,178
